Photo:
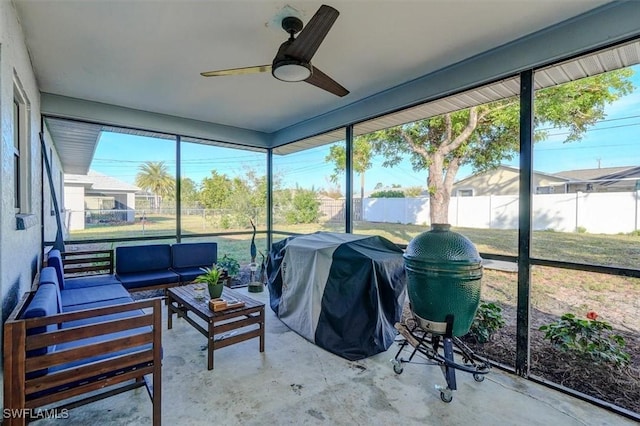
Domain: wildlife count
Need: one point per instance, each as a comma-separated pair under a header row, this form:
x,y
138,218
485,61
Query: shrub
x,y
389,193
231,265
587,338
487,321
581,230
305,208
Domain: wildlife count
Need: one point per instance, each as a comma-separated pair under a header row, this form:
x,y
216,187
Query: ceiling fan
x,y
293,60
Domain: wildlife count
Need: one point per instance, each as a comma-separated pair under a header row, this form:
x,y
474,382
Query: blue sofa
x,y
139,267
142,267
66,342
188,259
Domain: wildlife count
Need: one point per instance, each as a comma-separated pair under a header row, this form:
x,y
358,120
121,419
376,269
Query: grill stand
x,y
428,344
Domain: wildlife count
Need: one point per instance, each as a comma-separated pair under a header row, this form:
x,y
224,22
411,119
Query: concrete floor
x,y
296,383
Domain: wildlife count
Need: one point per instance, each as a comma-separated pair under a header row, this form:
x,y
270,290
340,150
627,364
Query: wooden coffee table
x,y
224,327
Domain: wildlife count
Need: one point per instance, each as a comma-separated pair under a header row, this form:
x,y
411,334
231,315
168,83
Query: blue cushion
x,y
48,276
80,296
146,279
43,303
99,304
55,260
98,339
188,274
142,258
194,255
101,318
90,281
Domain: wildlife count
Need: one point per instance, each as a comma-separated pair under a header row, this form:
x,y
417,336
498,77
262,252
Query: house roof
x,y
98,182
595,174
515,170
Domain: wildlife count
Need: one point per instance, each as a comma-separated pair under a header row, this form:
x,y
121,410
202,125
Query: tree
x,y
216,191
486,135
361,160
240,199
305,207
189,193
154,177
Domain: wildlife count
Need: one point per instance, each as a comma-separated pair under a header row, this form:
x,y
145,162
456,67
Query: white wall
x,y
597,212
74,206
19,249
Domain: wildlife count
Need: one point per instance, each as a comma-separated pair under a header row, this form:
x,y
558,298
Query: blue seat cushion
x,y
100,304
98,339
146,279
188,274
194,255
90,281
97,319
81,296
143,258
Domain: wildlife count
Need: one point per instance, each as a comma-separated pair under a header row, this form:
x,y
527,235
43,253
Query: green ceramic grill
x,y
444,271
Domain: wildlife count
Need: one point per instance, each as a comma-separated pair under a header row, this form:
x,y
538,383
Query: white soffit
x,y
608,60
312,142
75,143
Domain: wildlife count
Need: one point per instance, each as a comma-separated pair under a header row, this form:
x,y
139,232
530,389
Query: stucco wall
x,y
19,249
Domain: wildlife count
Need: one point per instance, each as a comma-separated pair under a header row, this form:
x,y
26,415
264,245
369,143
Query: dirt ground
x,y
617,385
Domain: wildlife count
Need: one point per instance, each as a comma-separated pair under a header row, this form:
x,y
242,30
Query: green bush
x,y
389,193
581,230
305,208
588,338
487,321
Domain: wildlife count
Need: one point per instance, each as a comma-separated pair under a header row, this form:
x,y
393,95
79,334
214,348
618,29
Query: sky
x,y
615,141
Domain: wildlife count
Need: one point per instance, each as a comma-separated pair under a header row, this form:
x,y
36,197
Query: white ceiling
x,y
147,55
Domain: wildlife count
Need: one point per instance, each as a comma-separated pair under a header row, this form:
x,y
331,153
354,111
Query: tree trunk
x,y
439,194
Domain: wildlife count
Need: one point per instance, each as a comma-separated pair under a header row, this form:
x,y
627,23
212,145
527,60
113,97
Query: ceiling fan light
x,y
291,70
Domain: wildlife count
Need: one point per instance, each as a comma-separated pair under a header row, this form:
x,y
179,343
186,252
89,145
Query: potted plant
x,y
211,277
230,265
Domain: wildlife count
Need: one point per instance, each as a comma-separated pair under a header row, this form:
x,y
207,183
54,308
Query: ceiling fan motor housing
x,y
292,25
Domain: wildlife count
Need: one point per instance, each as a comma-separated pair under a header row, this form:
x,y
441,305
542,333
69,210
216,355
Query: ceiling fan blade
x,y
237,71
323,81
305,45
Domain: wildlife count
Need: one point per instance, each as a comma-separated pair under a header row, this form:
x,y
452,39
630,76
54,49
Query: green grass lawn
x,y
598,249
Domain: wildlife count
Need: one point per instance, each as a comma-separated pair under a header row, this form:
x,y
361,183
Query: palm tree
x,y
154,177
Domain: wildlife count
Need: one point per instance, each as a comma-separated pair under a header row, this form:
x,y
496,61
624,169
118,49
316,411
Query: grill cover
x,y
343,292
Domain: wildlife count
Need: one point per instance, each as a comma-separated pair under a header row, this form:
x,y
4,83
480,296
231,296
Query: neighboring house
x,y
504,180
95,198
606,179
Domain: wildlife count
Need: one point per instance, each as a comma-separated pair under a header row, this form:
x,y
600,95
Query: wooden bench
x,y
53,356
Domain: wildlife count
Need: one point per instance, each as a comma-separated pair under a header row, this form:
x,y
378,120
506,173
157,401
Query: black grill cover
x,y
343,292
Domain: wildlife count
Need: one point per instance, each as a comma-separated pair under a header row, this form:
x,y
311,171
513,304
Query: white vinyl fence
x,y
595,212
